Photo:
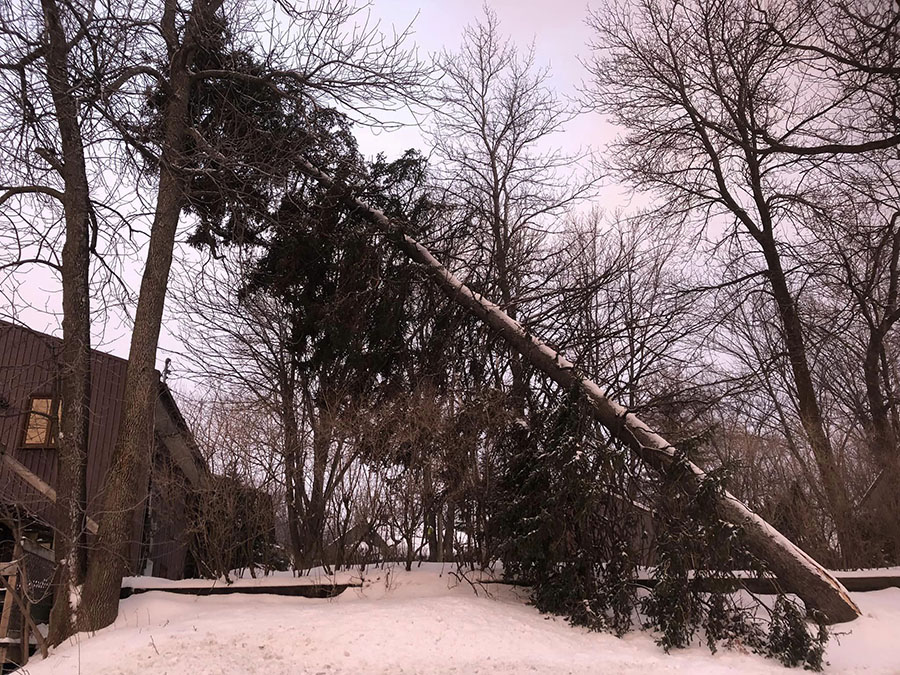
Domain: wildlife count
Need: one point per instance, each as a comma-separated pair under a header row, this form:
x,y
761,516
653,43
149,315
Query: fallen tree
x,y
796,570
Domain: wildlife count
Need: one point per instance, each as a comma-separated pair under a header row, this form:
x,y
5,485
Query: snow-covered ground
x,y
425,621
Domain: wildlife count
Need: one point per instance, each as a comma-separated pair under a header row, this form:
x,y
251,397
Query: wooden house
x,y
29,413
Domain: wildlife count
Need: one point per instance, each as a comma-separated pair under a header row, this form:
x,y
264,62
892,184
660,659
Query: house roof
x,y
169,424
174,433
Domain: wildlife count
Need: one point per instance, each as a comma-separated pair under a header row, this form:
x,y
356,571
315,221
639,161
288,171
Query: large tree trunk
x,y
293,477
293,471
111,553
131,457
883,504
882,438
318,499
798,572
810,414
883,444
75,359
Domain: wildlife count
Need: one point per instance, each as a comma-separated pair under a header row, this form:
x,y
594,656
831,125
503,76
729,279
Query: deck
x,y
323,589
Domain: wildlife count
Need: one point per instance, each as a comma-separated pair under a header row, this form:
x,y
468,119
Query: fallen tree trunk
x,y
796,570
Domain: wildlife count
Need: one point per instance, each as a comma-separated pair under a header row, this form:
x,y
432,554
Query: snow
x,y
425,621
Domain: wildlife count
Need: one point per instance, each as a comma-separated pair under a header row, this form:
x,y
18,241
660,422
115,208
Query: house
x,y
29,413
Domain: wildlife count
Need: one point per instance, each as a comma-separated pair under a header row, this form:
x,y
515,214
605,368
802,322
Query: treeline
x,y
746,309
729,312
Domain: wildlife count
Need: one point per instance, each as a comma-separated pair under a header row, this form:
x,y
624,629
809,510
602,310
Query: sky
x,y
560,37
556,29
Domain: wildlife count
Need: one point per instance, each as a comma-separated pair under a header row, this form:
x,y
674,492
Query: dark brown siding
x,y
28,364
26,367
169,521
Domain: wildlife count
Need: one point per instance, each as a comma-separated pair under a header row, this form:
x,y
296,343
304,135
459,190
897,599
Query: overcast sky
x,y
559,35
556,29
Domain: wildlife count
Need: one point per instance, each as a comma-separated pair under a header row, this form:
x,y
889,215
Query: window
x,y
41,423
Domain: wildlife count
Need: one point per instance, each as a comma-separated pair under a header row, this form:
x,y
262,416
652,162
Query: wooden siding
x,y
169,518
28,366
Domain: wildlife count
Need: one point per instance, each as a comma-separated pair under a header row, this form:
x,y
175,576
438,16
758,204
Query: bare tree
x,y
852,49
698,86
75,379
617,307
494,129
243,343
855,248
48,68
232,522
246,342
495,123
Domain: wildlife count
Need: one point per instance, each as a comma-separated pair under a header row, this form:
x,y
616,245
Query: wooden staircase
x,y
19,636
14,647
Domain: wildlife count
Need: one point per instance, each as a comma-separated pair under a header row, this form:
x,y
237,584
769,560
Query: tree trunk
x,y
883,444
110,556
449,533
430,507
798,572
291,472
75,359
810,414
315,513
131,456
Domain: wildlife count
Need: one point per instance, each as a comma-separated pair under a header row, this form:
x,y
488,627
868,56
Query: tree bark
x,y
883,444
75,357
882,408
293,519
429,505
798,572
293,474
131,456
810,413
882,433
318,499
